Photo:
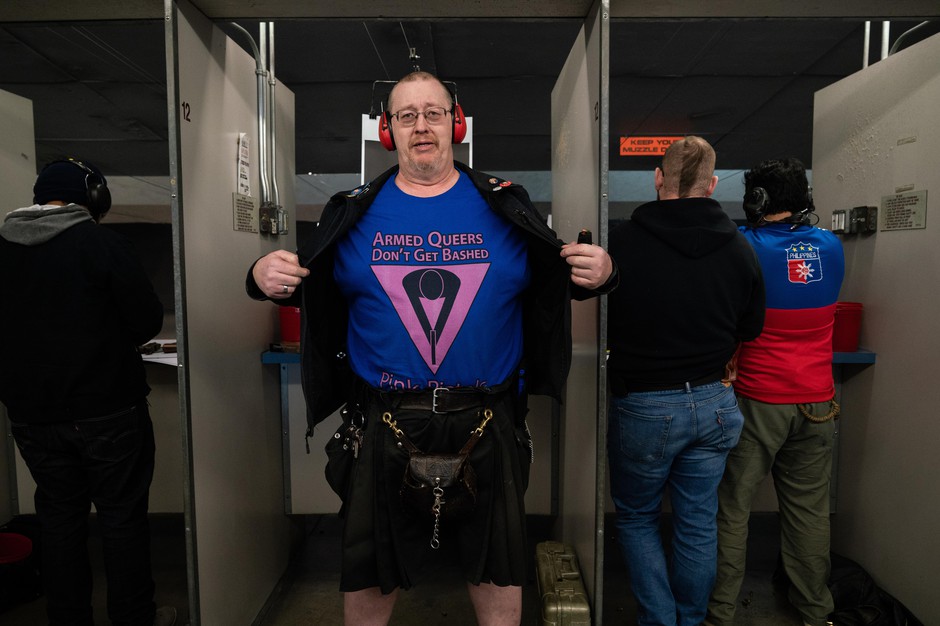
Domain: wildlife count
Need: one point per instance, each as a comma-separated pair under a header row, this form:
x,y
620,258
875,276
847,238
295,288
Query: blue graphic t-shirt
x,y
433,287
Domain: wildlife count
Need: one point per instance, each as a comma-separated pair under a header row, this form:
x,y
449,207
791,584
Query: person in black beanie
x,y
75,303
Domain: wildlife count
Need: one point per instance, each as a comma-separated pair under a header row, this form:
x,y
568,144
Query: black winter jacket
x,y
326,375
693,290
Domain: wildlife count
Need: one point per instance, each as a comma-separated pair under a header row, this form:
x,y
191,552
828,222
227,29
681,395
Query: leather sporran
x,y
438,486
443,484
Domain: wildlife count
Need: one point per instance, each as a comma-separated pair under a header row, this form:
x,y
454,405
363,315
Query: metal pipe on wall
x,y
866,44
885,35
272,117
263,147
260,73
901,41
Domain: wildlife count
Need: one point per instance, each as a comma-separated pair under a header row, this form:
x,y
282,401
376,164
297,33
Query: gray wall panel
x,y
17,175
231,401
579,200
875,133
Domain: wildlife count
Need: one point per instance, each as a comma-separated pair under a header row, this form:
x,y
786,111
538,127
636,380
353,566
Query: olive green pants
x,y
779,440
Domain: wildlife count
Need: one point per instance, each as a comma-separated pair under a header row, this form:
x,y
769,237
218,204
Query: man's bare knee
x,y
368,607
495,605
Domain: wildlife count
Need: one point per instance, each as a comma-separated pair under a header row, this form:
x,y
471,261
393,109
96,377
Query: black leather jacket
x,y
326,375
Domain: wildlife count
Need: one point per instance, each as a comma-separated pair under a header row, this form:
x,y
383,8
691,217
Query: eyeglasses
x,y
432,115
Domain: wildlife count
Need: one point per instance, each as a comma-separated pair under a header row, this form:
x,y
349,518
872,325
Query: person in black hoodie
x,y
75,303
691,291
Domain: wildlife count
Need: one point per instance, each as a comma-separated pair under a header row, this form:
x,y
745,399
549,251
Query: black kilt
x,y
387,546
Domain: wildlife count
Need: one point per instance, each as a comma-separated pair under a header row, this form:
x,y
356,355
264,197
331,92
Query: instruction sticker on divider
x,y
904,211
244,213
243,185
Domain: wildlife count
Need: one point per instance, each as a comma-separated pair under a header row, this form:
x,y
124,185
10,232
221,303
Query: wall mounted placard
x,y
904,211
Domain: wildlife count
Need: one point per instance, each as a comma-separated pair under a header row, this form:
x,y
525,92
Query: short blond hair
x,y
688,167
416,76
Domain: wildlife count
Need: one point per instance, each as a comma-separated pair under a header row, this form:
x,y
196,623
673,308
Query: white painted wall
x,y
889,495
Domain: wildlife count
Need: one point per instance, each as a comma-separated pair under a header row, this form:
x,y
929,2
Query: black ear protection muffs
x,y
804,216
755,203
458,133
96,189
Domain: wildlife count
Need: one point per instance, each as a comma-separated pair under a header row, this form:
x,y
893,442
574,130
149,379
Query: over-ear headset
x,y
96,188
757,201
459,130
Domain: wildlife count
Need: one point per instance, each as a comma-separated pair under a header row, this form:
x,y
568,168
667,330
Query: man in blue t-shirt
x,y
434,300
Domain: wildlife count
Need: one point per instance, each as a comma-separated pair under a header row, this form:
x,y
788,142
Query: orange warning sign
x,y
645,146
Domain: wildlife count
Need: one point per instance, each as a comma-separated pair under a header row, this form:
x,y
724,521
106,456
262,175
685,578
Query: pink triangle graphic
x,y
391,277
432,308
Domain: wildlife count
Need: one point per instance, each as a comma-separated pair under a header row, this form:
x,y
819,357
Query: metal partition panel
x,y
17,175
579,200
229,402
875,137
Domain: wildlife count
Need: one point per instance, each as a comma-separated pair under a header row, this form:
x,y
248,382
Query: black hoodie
x,y
691,290
75,302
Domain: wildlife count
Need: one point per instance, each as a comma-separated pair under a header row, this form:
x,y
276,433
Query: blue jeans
x,y
680,439
107,461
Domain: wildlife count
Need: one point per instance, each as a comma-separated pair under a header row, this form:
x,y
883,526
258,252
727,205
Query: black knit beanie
x,y
65,181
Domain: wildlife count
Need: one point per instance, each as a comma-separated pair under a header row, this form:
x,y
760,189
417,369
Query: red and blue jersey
x,y
434,290
791,360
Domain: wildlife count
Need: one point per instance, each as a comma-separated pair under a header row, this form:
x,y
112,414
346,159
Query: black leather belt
x,y
636,387
437,400
440,399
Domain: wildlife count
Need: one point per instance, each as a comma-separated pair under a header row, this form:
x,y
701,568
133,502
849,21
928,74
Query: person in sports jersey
x,y
786,392
432,296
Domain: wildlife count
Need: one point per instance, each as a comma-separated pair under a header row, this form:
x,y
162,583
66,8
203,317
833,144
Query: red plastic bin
x,y
14,548
847,326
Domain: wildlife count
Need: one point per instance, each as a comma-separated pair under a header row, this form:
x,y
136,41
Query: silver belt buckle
x,y
434,398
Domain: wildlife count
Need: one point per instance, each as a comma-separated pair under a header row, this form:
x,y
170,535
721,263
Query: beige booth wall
x,y
229,400
875,135
17,174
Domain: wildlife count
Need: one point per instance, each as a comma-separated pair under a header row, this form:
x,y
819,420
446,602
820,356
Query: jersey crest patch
x,y
804,263
432,303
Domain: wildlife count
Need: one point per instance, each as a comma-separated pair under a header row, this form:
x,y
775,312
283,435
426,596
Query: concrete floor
x,y
760,603
441,600
168,559
310,594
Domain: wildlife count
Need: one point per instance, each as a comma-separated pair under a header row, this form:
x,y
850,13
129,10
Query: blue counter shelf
x,y
280,357
861,357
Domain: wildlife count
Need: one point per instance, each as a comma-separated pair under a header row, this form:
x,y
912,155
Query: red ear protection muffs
x,y
388,141
385,132
460,124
